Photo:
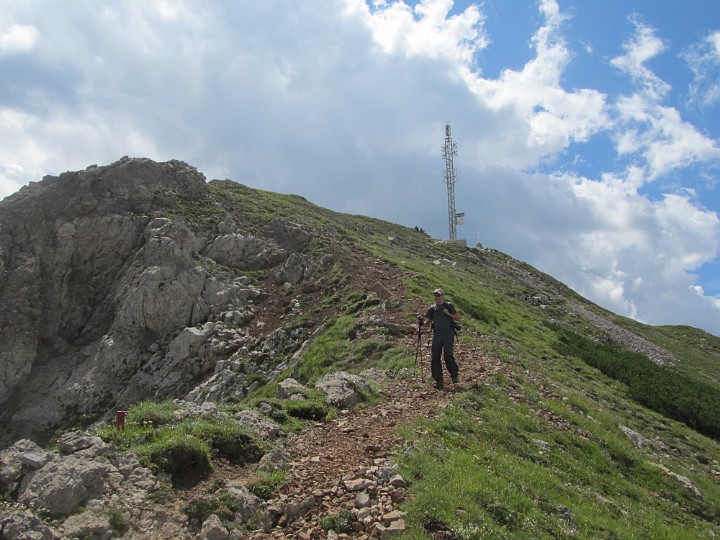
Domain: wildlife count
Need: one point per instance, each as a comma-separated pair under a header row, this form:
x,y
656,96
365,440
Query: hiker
x,y
443,319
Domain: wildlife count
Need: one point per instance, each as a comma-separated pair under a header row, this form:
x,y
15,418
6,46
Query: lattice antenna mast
x,y
449,151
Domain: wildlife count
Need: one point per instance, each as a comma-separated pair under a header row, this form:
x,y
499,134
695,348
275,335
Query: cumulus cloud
x,y
345,103
645,126
424,30
542,117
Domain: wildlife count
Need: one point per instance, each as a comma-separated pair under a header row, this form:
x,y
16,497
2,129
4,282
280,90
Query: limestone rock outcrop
x,y
108,297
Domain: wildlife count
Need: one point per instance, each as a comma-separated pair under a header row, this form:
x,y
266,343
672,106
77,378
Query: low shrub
x,y
185,458
307,409
227,439
266,486
118,522
340,522
661,389
222,504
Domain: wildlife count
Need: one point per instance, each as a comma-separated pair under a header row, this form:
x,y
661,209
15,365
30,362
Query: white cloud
x,y
643,47
638,255
714,301
646,127
542,117
660,136
18,39
345,104
32,146
425,30
704,61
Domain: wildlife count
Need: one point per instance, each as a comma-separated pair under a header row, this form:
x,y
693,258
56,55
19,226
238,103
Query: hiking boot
x,y
439,384
455,379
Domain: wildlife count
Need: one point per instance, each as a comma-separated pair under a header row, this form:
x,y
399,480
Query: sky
x,y
588,131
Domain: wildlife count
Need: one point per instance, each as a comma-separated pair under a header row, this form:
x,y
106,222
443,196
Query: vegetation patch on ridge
x,y
183,448
662,389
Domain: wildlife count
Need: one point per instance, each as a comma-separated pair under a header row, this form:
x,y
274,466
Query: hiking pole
x,y
418,348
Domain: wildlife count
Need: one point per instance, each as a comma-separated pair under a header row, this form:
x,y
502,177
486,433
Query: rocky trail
x,y
345,464
336,462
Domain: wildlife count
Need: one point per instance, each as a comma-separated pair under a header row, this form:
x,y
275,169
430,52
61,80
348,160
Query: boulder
x,y
250,507
289,236
64,484
74,441
18,460
213,529
299,267
343,389
278,459
288,387
88,524
25,526
262,425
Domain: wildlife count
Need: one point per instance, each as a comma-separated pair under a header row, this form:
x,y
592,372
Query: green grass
x,y
491,468
186,458
149,413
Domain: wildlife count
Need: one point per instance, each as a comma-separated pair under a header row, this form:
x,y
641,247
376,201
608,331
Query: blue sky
x,y
588,130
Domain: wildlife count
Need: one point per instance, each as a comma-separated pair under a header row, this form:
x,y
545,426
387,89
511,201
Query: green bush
x,y
183,450
266,486
223,505
118,522
185,458
227,439
661,389
307,409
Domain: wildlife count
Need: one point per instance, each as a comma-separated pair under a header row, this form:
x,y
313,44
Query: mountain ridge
x,y
139,280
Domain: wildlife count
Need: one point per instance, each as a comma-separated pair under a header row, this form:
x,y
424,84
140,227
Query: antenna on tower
x,y
449,151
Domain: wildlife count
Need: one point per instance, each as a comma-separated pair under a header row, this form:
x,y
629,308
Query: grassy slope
x,y
539,452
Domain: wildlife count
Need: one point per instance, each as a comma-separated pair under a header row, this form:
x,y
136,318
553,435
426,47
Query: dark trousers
x,y
443,342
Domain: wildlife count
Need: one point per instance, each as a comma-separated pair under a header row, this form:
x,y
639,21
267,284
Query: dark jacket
x,y
440,321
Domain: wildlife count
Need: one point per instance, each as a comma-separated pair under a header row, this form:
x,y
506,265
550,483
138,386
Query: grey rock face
x,y
17,461
76,488
245,252
213,529
299,267
107,299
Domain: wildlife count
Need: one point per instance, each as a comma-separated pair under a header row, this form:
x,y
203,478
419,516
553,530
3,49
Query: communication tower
x,y
449,151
